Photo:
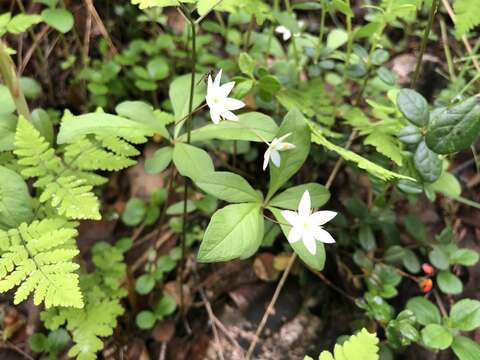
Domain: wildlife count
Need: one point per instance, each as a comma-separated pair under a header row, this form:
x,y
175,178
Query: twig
x,y
423,45
103,30
464,38
32,48
446,49
271,306
333,286
210,313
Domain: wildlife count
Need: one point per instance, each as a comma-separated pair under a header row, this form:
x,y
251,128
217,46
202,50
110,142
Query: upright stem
x,y
9,75
322,32
189,130
446,49
423,45
294,43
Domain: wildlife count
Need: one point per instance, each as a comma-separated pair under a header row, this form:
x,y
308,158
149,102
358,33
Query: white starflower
x,y
220,104
282,30
272,153
307,225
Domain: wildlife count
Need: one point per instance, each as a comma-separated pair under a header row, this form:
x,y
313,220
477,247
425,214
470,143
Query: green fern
x,y
37,258
64,188
467,16
362,163
103,293
362,346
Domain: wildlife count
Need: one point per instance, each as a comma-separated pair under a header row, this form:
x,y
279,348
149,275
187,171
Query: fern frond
x,y
102,293
362,163
65,189
87,154
38,259
467,16
362,346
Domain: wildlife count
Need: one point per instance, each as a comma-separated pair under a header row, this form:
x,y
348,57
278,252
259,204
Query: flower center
x,y
306,224
216,100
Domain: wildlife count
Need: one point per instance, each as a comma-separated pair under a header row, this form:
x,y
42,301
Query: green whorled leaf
x,y
158,68
427,163
292,160
15,201
465,348
134,212
455,128
343,7
413,106
236,231
192,161
290,198
229,187
362,163
449,283
59,19
159,161
8,126
143,113
179,94
145,319
316,261
425,311
410,134
252,126
103,124
436,337
144,4
465,315
336,38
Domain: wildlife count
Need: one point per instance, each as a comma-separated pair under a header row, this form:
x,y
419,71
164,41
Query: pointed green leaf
x,y
192,161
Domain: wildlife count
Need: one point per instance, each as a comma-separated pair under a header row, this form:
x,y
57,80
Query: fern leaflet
x,y
362,346
362,163
38,258
467,17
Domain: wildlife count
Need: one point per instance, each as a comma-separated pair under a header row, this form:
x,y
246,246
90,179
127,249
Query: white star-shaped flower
x,y
307,225
220,104
282,30
273,151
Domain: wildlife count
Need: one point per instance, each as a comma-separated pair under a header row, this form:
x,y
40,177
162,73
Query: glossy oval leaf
x,y
427,163
436,337
454,128
425,311
413,106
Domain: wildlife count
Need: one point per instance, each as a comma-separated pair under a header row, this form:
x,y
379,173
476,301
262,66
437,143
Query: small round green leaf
x,y
425,311
465,315
134,212
59,19
144,284
449,283
436,337
145,319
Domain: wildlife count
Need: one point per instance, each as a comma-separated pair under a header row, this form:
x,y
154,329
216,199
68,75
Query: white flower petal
x,y
323,235
228,115
322,217
304,207
209,85
291,217
215,116
284,146
275,157
226,88
233,104
283,137
309,242
295,234
216,82
266,158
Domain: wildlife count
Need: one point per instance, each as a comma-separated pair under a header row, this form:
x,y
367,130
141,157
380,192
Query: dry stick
x,y
423,45
32,48
211,315
103,30
9,76
464,37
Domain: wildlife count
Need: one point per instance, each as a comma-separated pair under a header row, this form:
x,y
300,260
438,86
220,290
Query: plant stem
x,y
294,44
9,76
322,32
189,130
423,45
446,48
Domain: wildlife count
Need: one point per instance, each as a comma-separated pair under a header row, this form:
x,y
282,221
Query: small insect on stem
x,y
204,77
